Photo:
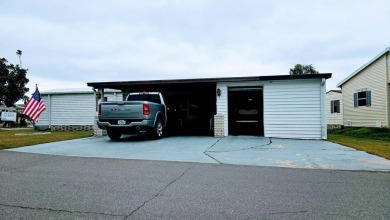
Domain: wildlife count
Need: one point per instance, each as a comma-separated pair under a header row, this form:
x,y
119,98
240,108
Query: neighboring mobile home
x,y
71,109
283,106
366,94
334,109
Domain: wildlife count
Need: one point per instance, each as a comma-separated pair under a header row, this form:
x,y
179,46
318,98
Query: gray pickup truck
x,y
141,112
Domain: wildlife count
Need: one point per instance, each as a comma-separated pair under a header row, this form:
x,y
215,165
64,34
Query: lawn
x,y
19,138
372,140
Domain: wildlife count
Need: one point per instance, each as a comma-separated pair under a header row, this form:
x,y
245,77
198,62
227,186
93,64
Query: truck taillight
x,y
146,109
99,109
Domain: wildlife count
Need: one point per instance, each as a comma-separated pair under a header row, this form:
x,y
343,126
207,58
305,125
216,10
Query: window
x,y
335,106
144,97
362,98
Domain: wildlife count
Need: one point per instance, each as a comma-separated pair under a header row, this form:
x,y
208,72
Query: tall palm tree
x,y
19,53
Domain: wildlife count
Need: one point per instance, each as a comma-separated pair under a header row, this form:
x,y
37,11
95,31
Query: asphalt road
x,y
34,186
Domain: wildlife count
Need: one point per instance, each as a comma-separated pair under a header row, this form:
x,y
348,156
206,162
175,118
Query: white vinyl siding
x,y
334,118
75,109
44,117
373,79
222,105
388,89
388,67
68,109
72,107
388,105
292,109
114,96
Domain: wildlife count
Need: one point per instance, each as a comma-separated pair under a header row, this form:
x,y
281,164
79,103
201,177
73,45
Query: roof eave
x,y
211,80
60,92
363,67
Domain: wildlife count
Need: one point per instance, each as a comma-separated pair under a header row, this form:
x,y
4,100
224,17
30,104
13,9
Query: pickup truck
x,y
141,112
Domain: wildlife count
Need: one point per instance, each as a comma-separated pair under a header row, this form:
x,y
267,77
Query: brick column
x,y
219,125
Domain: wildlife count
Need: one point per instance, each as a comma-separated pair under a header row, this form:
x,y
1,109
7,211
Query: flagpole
x,y
36,87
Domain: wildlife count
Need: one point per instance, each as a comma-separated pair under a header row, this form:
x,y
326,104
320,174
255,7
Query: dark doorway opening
x,y
245,109
190,107
190,113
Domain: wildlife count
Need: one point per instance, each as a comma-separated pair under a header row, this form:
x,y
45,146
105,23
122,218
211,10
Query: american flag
x,y
35,106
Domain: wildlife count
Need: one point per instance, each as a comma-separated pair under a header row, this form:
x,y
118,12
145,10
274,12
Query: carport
x,y
286,106
191,103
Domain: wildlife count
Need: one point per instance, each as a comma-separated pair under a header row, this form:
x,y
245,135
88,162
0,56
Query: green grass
x,y
381,134
372,140
9,139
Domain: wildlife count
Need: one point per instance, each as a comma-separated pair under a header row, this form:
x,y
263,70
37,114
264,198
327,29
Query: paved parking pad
x,y
243,150
314,154
182,149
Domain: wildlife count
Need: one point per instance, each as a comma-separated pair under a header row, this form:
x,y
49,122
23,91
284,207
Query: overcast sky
x,y
68,43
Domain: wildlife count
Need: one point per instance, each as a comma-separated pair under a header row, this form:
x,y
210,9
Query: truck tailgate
x,y
122,110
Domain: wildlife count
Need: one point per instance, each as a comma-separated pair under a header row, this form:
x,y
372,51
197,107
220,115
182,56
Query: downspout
x,y
323,113
101,90
94,95
49,96
387,84
96,105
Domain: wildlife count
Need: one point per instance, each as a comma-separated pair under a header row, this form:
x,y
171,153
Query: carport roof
x,y
121,84
74,91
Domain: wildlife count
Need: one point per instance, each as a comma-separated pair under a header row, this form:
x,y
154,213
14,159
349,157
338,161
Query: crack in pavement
x,y
241,149
59,210
159,192
207,150
218,161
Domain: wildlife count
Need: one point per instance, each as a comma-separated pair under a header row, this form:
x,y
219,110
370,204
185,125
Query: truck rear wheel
x,y
113,135
158,130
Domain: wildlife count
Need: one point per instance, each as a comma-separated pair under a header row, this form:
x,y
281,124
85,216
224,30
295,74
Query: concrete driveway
x,y
242,150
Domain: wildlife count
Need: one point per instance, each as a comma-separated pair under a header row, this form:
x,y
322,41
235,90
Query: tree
x,y
300,69
13,82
